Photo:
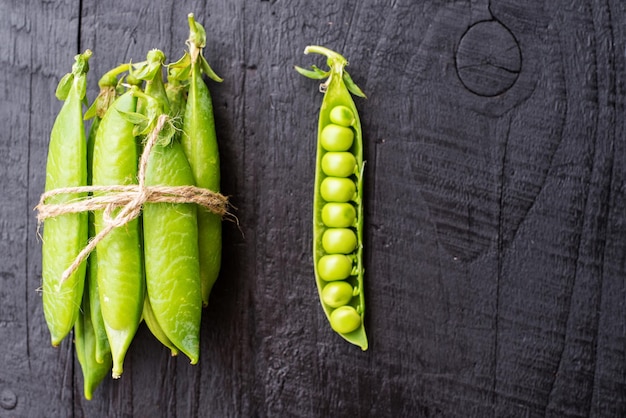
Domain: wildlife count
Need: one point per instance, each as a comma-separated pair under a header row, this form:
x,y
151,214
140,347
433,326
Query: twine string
x,y
128,198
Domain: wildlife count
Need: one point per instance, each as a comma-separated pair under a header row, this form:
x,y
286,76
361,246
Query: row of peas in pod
x,y
155,262
337,201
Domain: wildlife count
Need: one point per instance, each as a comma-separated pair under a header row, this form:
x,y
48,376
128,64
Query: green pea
x,y
336,138
336,294
338,164
65,236
337,189
337,202
342,115
339,241
345,319
334,267
338,215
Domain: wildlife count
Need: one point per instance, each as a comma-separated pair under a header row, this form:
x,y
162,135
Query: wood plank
x,y
36,378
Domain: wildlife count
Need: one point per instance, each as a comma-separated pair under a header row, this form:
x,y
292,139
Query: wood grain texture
x,y
30,73
495,230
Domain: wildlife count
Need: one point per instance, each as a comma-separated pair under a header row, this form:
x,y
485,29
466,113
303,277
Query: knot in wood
x,y
488,59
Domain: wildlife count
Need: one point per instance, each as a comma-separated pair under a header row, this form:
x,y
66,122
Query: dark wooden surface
x,y
495,199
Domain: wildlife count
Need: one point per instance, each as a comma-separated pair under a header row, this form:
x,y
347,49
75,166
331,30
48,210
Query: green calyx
x,y
336,63
197,35
79,72
145,123
81,66
196,43
151,68
151,71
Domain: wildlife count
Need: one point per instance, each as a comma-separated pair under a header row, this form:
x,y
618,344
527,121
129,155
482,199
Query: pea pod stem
x,y
337,63
196,44
197,38
109,78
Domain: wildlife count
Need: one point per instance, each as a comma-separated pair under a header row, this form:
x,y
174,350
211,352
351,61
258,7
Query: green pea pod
x,y
103,349
91,139
102,343
150,72
337,202
200,144
171,252
107,83
119,254
155,327
64,236
85,338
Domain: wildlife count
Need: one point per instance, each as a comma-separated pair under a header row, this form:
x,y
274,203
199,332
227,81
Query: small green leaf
x,y
315,74
166,134
141,71
209,71
147,71
183,61
181,69
351,85
91,111
64,86
140,130
179,74
134,117
319,70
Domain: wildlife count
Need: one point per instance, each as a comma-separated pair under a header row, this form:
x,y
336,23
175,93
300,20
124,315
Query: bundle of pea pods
x,y
159,264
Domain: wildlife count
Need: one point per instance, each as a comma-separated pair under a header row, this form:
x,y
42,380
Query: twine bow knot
x,y
129,199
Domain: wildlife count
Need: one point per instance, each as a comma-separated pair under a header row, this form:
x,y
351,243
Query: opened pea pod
x,y
337,201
